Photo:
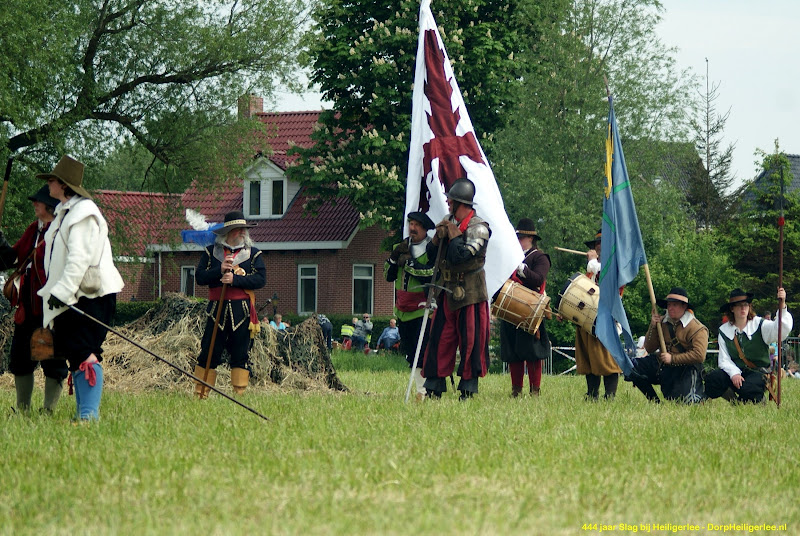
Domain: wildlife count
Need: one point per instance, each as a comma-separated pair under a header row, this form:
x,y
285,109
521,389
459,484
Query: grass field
x,y
366,463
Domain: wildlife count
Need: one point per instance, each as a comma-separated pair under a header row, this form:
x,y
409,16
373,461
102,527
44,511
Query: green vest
x,y
755,349
408,281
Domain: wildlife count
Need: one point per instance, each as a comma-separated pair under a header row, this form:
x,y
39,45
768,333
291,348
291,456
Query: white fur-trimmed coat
x,y
76,240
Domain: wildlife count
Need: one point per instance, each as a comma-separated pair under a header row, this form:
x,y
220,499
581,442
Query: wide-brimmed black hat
x,y
423,219
42,195
737,295
70,172
590,243
233,220
677,294
525,227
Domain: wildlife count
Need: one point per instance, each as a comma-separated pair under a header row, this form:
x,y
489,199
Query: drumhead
x,y
565,287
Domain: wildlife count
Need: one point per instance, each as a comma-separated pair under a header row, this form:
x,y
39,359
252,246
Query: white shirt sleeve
x,y
724,360
769,329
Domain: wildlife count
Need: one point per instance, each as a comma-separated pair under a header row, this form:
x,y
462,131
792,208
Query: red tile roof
x,y
136,219
152,218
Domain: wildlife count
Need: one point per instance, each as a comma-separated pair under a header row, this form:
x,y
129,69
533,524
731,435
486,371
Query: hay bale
x,y
295,359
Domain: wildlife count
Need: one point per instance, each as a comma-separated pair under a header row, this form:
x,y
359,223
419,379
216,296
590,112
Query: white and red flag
x,y
444,148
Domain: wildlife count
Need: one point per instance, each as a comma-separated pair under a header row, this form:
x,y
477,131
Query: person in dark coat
x,y
519,348
29,250
234,262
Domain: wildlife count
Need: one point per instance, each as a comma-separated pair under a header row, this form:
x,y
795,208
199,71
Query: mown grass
x,y
366,463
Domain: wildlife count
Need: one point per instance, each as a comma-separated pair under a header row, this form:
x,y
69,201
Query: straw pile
x,y
294,359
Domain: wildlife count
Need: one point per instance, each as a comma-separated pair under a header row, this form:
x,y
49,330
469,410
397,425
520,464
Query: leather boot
x,y
516,390
52,392
200,390
534,391
239,379
24,387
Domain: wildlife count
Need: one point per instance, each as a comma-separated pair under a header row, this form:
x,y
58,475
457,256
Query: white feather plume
x,y
196,220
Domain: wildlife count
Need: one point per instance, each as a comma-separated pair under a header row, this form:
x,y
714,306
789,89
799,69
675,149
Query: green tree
x,y
164,73
709,184
362,54
752,233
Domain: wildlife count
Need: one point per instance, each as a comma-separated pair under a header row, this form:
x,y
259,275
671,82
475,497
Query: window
x,y
265,198
255,197
307,288
277,197
362,288
187,280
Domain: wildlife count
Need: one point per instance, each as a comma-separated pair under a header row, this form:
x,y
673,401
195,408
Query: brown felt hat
x,y
70,172
525,227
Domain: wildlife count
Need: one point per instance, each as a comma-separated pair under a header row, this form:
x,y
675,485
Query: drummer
x,y
591,357
518,347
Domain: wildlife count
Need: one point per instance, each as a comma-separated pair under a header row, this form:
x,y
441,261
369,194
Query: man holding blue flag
x,y
622,250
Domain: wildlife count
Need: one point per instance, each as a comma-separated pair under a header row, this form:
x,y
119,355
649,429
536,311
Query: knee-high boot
x,y
240,377
88,383
592,386
52,392
24,387
610,383
200,390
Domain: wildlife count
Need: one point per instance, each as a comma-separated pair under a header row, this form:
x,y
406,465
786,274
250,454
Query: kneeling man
x,y
679,369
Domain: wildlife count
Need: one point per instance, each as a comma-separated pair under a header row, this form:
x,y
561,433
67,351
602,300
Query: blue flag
x,y
622,251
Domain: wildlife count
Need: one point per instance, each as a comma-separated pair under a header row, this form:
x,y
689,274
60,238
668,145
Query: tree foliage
x,y
362,54
78,76
752,234
709,182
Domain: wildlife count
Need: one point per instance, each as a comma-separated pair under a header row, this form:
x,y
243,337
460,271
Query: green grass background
x,y
366,463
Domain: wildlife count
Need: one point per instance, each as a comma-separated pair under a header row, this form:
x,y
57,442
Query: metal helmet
x,y
462,191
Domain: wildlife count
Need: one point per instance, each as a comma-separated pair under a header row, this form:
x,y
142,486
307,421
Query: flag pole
x,y
655,306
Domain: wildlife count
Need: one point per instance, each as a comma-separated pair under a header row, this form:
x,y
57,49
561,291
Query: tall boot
x,y
592,387
88,383
649,392
610,383
200,390
52,392
24,386
239,379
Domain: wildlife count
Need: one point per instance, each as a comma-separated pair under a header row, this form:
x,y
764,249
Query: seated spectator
x,y
390,336
277,322
362,329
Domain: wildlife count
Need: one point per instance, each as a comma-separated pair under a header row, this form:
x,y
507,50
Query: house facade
x,y
321,262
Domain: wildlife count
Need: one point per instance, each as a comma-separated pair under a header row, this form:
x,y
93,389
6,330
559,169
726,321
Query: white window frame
x,y
193,268
265,190
372,287
300,278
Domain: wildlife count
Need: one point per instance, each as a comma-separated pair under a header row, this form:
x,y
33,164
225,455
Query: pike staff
x,y
173,365
781,222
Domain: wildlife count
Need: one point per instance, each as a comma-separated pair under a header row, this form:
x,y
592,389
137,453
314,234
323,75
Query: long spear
x,y
173,365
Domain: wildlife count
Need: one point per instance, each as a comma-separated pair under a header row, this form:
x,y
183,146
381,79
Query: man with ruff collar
x,y
231,264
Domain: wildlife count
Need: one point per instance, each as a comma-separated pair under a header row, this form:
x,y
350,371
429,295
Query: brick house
x,y
319,263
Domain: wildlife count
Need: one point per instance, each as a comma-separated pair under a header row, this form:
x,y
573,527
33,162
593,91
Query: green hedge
x,y
129,311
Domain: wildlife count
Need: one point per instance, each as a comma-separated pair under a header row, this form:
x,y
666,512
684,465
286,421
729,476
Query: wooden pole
x,y
7,176
655,307
780,302
214,331
575,251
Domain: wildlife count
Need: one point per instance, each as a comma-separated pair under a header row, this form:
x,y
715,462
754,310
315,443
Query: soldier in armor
x,y
461,320
409,267
233,261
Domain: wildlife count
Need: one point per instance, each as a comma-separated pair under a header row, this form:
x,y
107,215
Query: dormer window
x,y
265,198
